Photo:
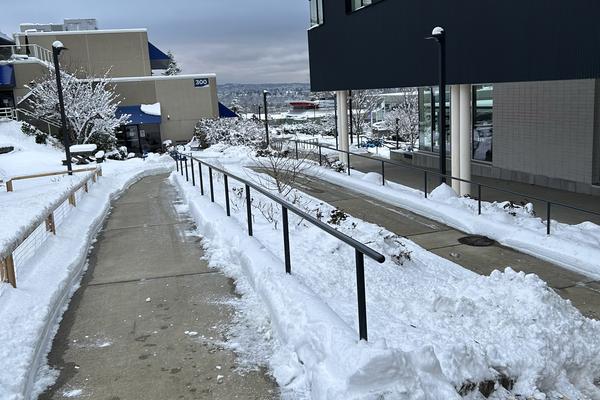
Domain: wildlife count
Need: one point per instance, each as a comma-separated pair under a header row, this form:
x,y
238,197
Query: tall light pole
x,y
336,121
57,47
265,93
439,35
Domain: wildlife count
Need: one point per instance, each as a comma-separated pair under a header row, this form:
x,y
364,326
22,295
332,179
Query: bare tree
x,y
282,170
90,105
364,102
406,113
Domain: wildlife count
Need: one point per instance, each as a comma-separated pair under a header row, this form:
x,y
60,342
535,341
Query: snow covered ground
x,y
46,281
434,328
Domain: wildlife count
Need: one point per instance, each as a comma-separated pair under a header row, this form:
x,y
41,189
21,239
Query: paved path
x,y
414,178
123,335
443,241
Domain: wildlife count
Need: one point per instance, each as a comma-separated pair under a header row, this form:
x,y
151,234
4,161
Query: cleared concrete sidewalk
x,y
123,336
443,241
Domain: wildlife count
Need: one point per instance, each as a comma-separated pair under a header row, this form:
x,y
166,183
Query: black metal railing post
x,y
201,178
362,297
181,161
286,240
192,168
226,182
425,183
176,158
348,163
548,206
187,177
478,199
296,150
249,209
320,162
210,181
382,173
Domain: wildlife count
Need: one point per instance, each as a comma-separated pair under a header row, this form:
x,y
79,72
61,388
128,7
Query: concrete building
x,y
128,58
523,96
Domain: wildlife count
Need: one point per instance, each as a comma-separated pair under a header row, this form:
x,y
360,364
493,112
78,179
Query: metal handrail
x,y
181,162
427,172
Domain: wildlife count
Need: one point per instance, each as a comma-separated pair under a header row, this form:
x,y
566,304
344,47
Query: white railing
x,y
21,114
26,51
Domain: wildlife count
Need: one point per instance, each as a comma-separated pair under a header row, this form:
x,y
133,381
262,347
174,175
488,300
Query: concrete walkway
x,y
414,178
123,336
443,241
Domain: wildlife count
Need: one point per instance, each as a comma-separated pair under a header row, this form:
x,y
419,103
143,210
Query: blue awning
x,y
137,116
158,59
225,112
7,76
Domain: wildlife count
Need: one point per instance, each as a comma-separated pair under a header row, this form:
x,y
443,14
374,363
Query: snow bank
x,y
83,148
31,313
151,109
434,327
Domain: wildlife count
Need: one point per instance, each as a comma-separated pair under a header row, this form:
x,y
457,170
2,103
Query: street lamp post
x,y
57,47
336,122
265,93
439,35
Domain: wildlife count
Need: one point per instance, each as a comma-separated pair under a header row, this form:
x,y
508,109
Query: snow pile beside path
x,y
31,313
434,327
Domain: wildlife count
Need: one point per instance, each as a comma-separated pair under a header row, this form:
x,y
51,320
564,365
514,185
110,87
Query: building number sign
x,y
200,82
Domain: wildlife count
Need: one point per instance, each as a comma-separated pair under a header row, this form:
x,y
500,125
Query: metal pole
x,y
192,167
548,218
286,240
249,209
361,292
383,173
259,113
225,180
187,177
266,116
296,143
348,163
440,36
425,183
479,199
351,119
210,179
397,133
61,102
181,161
320,162
201,178
176,158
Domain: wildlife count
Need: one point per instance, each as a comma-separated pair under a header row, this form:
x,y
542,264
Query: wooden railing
x,y
9,183
39,230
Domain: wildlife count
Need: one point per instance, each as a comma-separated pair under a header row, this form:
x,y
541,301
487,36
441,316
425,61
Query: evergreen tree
x,y
173,68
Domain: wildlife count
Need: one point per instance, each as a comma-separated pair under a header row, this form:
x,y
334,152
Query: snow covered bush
x,y
283,171
90,107
231,131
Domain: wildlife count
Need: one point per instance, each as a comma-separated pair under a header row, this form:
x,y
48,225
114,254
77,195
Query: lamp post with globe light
x,y
439,35
57,47
265,93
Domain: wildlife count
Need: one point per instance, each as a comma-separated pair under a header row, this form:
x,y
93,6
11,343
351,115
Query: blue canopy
x,y
7,76
158,59
137,116
225,112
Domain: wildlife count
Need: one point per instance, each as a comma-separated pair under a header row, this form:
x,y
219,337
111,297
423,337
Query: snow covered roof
x,y
90,32
151,109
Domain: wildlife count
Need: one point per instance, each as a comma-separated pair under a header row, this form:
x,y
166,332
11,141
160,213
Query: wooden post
x,y
72,200
9,186
50,226
9,266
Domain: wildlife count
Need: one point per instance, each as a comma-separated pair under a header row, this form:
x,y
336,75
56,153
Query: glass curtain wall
x,y
356,4
483,126
429,139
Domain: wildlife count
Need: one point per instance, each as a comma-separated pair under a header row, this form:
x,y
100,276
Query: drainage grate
x,y
477,241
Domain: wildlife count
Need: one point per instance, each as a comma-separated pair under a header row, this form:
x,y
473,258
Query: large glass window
x,y
357,4
483,126
316,12
429,139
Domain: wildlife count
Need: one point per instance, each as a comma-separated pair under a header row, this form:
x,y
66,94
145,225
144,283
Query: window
x,y
353,5
483,126
428,122
316,12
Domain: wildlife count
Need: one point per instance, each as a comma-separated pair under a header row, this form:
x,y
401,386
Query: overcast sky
x,y
242,41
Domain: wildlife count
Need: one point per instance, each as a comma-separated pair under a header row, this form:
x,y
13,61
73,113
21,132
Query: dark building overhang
x,y
158,59
6,40
225,112
383,45
137,116
7,76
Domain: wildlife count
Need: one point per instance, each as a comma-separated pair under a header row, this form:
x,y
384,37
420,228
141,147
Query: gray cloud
x,y
241,41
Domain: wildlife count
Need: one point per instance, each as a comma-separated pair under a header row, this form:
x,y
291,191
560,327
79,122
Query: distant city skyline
x,y
262,41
